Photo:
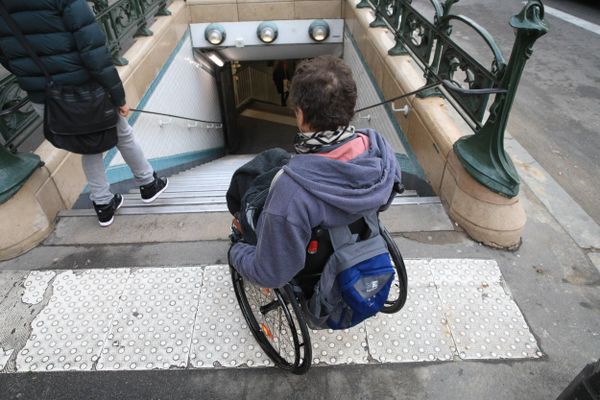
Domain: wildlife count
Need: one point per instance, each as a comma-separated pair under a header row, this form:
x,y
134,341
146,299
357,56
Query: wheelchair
x,y
276,317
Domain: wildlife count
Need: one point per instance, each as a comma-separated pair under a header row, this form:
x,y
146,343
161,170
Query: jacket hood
x,y
357,186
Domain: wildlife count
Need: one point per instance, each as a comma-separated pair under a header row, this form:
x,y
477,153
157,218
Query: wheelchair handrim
x,y
258,331
397,304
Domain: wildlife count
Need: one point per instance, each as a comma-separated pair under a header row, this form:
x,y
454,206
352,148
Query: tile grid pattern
x,y
375,118
185,90
160,318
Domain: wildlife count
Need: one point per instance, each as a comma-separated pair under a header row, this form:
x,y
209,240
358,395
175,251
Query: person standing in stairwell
x,y
282,76
72,47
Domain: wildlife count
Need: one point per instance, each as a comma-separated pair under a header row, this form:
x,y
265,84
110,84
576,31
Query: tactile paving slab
x,y
35,286
419,331
221,336
485,321
189,317
154,320
70,332
348,346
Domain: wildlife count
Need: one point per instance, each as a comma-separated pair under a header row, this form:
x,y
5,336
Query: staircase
x,y
199,189
193,208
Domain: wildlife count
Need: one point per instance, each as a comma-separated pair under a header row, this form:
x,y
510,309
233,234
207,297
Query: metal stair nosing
x,y
214,206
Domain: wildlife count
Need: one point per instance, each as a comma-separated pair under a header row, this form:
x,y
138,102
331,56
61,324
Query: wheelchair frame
x,y
268,309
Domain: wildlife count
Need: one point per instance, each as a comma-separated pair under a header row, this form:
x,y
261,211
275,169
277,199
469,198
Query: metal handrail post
x,y
483,155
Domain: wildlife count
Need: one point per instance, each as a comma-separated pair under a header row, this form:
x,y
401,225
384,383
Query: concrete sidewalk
x,y
551,280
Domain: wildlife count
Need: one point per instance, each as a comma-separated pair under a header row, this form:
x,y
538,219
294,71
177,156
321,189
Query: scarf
x,y
317,142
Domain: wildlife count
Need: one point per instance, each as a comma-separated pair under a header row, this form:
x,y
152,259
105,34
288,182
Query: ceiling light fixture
x,y
319,30
215,34
267,32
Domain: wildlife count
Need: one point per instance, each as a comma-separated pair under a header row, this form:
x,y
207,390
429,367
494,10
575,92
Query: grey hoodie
x,y
314,191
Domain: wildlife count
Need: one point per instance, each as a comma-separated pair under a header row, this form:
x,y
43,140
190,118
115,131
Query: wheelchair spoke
x,y
275,320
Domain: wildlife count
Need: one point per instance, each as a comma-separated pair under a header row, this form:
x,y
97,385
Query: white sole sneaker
x,y
109,222
151,199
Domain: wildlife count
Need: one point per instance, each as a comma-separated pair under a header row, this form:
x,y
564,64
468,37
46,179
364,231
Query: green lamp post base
x,y
493,169
14,171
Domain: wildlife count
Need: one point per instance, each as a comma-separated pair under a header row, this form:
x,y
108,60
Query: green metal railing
x,y
430,43
122,21
18,121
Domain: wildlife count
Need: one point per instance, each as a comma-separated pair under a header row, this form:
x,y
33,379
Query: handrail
x,y
499,60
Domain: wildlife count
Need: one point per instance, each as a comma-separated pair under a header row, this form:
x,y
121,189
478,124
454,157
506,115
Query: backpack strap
x,y
343,235
347,252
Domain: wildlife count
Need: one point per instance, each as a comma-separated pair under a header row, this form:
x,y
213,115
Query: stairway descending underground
x,y
199,189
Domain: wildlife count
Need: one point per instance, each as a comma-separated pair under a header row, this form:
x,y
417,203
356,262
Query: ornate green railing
x,y
18,121
430,43
122,21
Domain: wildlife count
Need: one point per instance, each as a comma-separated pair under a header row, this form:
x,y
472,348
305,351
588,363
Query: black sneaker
x,y
106,212
151,191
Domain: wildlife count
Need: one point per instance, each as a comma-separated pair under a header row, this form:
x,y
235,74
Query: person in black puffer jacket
x,y
72,46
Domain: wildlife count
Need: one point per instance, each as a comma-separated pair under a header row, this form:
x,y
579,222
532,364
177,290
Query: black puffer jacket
x,y
65,35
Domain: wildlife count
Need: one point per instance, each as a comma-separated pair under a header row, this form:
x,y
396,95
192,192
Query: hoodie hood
x,y
357,186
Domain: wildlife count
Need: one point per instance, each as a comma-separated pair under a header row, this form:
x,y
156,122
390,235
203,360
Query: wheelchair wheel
x,y
399,290
276,321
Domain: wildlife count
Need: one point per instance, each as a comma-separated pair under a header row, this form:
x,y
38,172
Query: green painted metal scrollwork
x,y
123,20
18,120
429,41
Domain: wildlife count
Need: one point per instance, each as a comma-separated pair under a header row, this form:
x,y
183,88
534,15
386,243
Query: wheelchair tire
x,y
399,289
271,314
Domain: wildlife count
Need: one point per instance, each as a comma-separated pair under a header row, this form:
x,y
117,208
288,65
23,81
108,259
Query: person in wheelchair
x,y
338,175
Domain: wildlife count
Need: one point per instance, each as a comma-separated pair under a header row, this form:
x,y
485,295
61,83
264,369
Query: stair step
x,y
208,205
187,223
180,195
269,116
181,201
190,188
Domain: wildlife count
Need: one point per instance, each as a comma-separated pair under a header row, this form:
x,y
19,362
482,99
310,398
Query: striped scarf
x,y
318,142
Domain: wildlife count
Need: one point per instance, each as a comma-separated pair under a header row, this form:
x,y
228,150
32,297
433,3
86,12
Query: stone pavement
x,y
549,283
188,317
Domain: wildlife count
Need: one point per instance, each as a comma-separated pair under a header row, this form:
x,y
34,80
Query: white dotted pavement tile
x,y
348,346
131,319
154,321
419,331
221,336
35,286
484,320
416,333
71,330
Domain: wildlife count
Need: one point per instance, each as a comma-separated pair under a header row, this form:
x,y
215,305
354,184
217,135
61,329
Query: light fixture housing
x,y
267,32
319,30
215,34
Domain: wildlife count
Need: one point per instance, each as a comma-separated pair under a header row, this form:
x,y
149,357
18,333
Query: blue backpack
x,y
355,281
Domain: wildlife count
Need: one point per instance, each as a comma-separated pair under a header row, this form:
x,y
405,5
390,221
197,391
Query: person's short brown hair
x,y
323,88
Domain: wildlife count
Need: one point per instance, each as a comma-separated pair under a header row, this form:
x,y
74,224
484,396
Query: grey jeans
x,y
93,164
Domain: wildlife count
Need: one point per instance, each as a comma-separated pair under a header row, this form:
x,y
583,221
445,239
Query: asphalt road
x,y
556,113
